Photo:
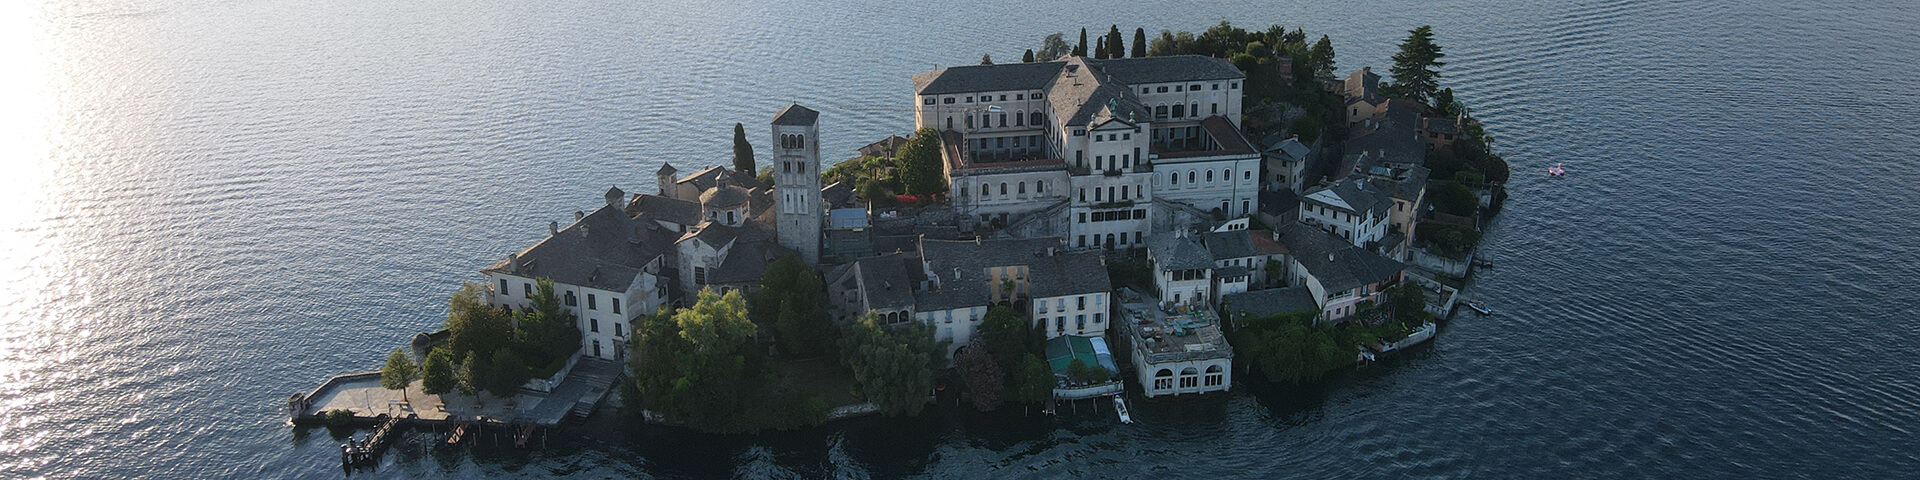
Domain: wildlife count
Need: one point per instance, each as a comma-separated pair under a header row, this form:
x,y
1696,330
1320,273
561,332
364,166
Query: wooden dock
x,y
356,452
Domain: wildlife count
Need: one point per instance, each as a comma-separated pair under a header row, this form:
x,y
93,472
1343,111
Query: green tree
x,y
507,374
892,366
716,323
1080,49
1100,47
548,333
1031,382
986,59
1052,47
472,375
919,164
473,325
983,376
792,298
1455,198
1416,73
1139,42
398,373
1407,302
1289,347
1444,106
1115,49
1004,336
436,376
1320,58
704,383
742,151
1028,58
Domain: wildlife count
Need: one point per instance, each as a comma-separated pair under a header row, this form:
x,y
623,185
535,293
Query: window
x,y
1216,109
1215,376
1163,89
1083,217
985,190
1003,188
1209,176
948,100
1083,241
1018,96
1163,379
1145,90
1097,318
1179,111
616,330
1003,120
1023,188
1003,97
1079,322
928,101
1160,111
1173,179
969,120
1019,120
503,287
1216,86
969,99
949,121
1096,194
571,301
593,303
1083,194
1137,191
699,275
1060,324
593,324
596,348
616,309
1177,87
1035,117
1195,87
1234,85
528,287
1190,177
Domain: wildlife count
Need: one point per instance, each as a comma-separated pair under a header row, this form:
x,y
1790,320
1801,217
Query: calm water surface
x,y
211,205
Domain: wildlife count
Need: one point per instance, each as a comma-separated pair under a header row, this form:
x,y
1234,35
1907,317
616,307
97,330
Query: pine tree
x,y
1321,56
1100,48
1080,50
1139,42
1028,58
742,151
986,59
1115,49
1415,68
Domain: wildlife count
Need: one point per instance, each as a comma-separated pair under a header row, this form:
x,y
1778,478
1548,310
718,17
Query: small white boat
x,y
1556,170
1121,407
1480,306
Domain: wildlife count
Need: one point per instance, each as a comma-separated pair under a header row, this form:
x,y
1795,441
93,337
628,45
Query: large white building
x,y
1083,148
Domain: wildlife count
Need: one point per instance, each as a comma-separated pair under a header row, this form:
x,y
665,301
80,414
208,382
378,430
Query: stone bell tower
x,y
796,179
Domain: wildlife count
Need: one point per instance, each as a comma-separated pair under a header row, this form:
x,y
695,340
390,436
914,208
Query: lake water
x,y
212,205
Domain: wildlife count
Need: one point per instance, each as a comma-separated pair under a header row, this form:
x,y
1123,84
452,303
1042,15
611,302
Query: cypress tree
x,y
1100,48
1115,49
742,151
1139,42
1080,50
1028,58
1321,56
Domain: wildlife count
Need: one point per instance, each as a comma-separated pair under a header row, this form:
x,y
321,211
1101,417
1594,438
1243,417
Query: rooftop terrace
x,y
1162,335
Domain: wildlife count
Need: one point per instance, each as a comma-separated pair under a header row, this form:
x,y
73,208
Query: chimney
x,y
577,215
553,228
513,263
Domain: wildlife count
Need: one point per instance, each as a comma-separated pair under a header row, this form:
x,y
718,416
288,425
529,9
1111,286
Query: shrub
x,y
339,417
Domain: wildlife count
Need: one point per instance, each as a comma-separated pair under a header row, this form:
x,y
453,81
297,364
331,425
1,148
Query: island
x,y
1072,227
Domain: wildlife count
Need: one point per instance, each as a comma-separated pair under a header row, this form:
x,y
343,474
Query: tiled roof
x,y
603,250
1336,263
961,270
672,210
1175,68
1353,194
1274,301
796,115
1085,94
986,78
884,280
1178,252
1229,244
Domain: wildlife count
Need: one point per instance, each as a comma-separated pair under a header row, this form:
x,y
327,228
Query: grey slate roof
x,y
1178,252
1363,85
1229,244
796,115
1273,301
603,250
671,210
986,78
884,280
1336,263
747,262
665,169
1289,149
838,195
1279,202
1230,271
1060,274
1176,68
1359,195
724,196
1087,94
707,178
1407,184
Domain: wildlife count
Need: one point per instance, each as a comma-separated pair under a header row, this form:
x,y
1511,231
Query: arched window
x,y
1179,111
1037,118
969,120
1039,186
949,123
1209,176
1023,188
1190,177
1003,188
1003,120
1160,111
799,141
986,190
1173,178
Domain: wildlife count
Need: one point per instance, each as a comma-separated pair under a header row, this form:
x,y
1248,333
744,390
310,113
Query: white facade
x,y
1081,315
1230,183
1327,211
1183,377
797,181
605,318
954,326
